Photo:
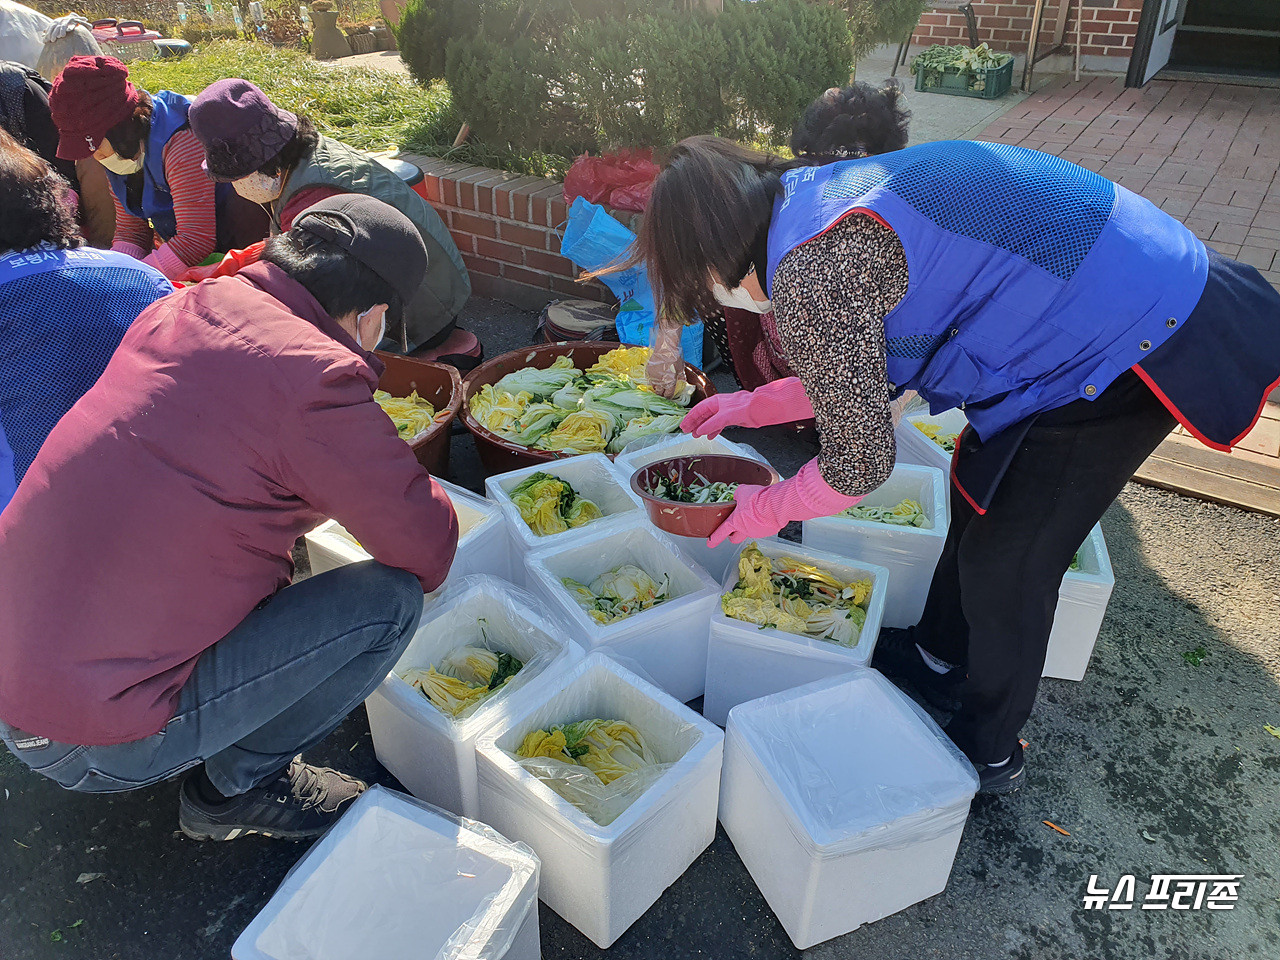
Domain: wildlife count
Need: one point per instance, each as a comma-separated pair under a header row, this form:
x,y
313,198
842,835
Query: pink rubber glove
x,y
763,511
783,401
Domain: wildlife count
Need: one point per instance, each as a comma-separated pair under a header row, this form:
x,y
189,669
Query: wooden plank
x,y
1191,481
1253,469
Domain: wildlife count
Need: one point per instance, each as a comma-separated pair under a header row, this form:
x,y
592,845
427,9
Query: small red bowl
x,y
696,519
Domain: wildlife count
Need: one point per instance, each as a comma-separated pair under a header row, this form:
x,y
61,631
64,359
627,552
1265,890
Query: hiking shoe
x,y
300,804
897,658
1002,779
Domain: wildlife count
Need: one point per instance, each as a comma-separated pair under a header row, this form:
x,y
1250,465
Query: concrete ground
x,y
1153,765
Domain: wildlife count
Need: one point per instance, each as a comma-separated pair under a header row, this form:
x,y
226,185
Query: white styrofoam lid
x,y
397,880
857,762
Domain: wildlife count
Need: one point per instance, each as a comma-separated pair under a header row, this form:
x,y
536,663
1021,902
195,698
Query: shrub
x,y
781,55
569,75
873,22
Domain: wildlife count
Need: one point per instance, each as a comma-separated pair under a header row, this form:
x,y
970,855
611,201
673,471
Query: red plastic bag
x,y
232,263
622,180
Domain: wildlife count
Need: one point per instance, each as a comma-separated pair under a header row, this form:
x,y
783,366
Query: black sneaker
x,y
897,658
1003,779
300,804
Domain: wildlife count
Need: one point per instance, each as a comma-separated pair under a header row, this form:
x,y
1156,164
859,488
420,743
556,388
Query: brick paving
x,y
1206,153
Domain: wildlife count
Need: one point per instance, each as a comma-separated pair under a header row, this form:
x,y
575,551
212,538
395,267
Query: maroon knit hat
x,y
89,97
240,128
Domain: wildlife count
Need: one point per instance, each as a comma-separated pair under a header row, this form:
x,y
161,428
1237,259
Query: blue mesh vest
x,y
1032,282
168,116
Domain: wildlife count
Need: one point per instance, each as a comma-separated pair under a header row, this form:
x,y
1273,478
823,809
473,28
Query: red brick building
x,y
1133,37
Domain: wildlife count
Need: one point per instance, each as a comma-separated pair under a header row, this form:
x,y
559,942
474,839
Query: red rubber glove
x,y
763,511
782,401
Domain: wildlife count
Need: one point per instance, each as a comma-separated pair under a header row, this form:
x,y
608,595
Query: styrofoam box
x,y
845,802
602,879
397,880
745,661
915,447
714,560
432,754
667,641
910,554
592,476
484,545
1082,604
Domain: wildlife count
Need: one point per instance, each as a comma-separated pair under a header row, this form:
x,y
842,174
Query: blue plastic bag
x,y
593,239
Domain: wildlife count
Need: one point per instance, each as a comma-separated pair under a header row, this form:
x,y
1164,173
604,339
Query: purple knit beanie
x,y
241,130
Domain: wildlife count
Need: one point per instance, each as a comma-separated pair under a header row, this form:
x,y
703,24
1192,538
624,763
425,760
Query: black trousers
x,y
992,600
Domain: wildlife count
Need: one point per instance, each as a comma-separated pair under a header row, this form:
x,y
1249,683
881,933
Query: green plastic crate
x,y
996,82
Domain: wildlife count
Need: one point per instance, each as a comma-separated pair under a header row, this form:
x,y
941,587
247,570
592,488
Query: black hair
x,y
127,138
707,218
341,284
33,208
859,120
300,146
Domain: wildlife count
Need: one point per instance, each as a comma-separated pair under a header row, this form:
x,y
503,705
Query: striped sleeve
x,y
133,234
193,205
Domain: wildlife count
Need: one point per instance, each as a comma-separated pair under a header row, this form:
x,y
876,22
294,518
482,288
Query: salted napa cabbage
x,y
907,513
537,421
550,505
796,597
644,427
947,441
539,384
412,415
618,593
545,743
586,431
497,411
626,362
569,397
608,748
466,676
630,402
451,695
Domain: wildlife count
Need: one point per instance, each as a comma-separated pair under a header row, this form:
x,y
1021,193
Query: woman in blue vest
x,y
1073,321
168,213
64,307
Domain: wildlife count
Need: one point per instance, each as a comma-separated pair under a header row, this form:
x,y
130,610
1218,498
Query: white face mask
x,y
119,165
740,299
257,187
382,330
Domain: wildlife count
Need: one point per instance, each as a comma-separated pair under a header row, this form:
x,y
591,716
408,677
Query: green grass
x,y
368,109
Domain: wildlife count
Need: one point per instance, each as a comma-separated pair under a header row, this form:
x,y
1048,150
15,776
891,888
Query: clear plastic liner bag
x,y
601,878
915,446
646,450
592,477
668,639
483,546
909,552
602,802
491,614
398,879
429,751
858,763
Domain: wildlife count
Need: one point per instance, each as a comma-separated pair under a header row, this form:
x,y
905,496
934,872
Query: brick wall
x,y
508,229
1107,28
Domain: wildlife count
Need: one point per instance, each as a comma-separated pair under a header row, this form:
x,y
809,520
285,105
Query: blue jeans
x,y
276,685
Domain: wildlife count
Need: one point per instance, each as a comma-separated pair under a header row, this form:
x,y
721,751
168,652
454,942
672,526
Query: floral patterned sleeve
x,y
830,298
